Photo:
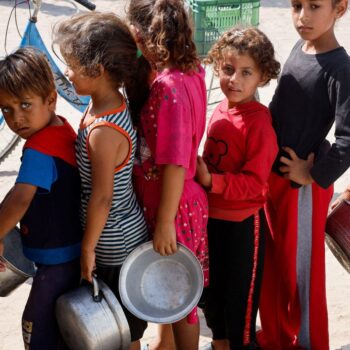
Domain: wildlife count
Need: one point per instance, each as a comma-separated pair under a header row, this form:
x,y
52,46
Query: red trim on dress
x,y
248,315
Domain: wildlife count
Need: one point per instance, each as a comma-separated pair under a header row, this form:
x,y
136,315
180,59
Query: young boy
x,y
45,197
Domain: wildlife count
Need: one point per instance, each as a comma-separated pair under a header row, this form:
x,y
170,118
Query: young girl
x,y
238,155
171,127
45,197
102,57
313,91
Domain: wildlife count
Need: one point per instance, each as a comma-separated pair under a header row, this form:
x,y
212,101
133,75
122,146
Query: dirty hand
x,y
297,169
202,174
164,238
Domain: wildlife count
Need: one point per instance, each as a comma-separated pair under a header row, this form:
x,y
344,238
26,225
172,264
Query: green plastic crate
x,y
213,17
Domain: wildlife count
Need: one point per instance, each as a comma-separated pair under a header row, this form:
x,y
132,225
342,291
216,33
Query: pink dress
x,y
171,127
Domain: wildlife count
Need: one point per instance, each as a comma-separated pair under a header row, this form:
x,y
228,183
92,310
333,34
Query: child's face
x,y
314,19
28,114
83,84
239,77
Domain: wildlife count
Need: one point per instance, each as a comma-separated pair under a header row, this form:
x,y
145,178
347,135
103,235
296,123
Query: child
x,y
102,57
237,159
313,91
171,126
45,198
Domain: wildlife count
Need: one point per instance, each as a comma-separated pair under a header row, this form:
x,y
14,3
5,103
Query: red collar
x,y
55,141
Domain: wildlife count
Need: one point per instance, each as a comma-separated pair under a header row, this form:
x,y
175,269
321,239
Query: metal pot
x,y
18,267
91,318
338,233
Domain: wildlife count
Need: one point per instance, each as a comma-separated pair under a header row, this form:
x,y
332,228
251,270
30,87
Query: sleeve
x,y
174,130
37,169
251,180
336,161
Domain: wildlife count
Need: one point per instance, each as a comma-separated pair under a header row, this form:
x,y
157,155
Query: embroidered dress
x,y
125,228
172,125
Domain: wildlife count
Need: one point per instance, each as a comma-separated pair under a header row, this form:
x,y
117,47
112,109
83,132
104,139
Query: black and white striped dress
x,y
125,228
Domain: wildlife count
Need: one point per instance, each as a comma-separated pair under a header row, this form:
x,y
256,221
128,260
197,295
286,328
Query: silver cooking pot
x,y
91,318
18,267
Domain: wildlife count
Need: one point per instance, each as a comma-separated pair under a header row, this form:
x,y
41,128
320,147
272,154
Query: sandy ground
x,y
276,23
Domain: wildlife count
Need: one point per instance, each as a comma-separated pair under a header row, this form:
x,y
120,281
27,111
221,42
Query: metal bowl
x,y
18,267
160,289
338,233
91,318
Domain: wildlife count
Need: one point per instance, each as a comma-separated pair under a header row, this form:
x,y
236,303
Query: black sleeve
x,y
336,161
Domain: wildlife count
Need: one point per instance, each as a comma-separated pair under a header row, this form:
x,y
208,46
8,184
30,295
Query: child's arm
x,y
297,169
105,146
164,236
203,175
250,179
14,206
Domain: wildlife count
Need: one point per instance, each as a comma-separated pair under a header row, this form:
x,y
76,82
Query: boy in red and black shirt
x,y
45,198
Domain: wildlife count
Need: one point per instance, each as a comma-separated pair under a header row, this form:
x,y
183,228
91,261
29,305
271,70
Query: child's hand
x,y
87,264
202,174
345,196
297,169
164,238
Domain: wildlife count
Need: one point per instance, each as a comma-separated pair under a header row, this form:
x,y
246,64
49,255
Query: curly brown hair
x,y
166,30
26,71
95,38
246,41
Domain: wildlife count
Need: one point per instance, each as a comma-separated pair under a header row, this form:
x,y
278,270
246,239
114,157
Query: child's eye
x,y
296,7
5,110
246,73
25,105
228,70
314,7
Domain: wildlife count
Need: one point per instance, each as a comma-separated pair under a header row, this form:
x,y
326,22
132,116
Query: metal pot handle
x,y
97,293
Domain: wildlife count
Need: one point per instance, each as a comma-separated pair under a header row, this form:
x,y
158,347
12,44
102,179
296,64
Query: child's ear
x,y
263,81
341,8
52,100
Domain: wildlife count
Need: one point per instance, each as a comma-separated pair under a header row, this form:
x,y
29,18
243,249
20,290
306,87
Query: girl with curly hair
x,y
171,126
238,155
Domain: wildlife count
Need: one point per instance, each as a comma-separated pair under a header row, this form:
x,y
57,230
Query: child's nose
x,y
17,117
303,15
234,77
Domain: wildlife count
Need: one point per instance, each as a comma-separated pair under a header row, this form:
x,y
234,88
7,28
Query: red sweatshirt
x,y
240,149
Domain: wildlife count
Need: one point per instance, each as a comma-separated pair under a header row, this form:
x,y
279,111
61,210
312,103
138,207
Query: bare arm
x,y
164,237
14,206
107,149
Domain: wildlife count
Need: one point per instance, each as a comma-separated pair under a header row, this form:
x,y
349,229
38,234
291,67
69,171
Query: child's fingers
x,y
292,154
285,160
284,169
335,204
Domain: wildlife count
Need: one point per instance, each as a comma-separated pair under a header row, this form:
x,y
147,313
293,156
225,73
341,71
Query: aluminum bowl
x,y
91,318
18,267
160,289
